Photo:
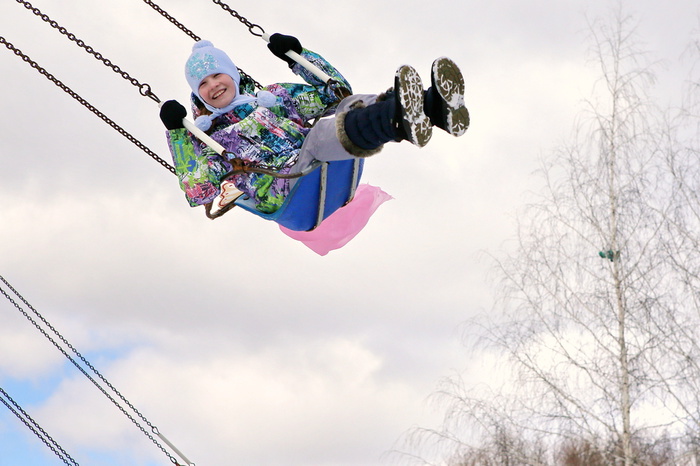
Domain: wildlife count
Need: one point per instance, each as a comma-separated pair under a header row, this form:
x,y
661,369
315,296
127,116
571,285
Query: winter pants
x,y
322,142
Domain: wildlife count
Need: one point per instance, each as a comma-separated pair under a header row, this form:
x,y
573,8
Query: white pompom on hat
x,y
206,60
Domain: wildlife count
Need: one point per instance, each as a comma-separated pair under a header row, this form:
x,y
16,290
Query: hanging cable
x,y
195,37
85,103
86,363
32,425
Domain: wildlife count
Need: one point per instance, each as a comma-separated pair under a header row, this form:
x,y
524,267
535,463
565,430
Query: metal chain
x,y
72,348
81,369
177,23
339,91
144,89
195,37
32,425
240,18
86,104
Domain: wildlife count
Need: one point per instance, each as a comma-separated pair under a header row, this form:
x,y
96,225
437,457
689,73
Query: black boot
x,y
413,125
396,116
367,129
444,101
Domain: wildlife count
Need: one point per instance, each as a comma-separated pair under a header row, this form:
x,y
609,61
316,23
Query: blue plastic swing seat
x,y
300,210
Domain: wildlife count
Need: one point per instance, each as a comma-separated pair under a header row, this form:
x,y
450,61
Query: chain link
x,y
240,18
32,425
177,23
144,89
81,369
195,37
85,103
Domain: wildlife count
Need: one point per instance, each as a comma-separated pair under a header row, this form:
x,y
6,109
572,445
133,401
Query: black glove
x,y
280,44
172,113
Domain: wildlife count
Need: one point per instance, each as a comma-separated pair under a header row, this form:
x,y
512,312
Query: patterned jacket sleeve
x,y
319,92
198,174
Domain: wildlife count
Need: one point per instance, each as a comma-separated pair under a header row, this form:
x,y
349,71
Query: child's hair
x,y
247,85
203,110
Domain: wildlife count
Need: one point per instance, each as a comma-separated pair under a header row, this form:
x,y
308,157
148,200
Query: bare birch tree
x,y
600,298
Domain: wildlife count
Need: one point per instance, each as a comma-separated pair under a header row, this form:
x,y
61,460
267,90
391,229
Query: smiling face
x,y
218,90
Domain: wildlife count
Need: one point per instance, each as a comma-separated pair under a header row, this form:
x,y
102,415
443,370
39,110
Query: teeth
x,y
218,93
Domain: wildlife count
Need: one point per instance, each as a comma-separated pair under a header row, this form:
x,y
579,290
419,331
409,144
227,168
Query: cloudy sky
x,y
240,344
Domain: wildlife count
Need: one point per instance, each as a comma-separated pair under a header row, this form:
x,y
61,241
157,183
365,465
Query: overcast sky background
x,y
241,345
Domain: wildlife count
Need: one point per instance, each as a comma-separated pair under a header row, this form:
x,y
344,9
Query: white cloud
x,y
321,401
238,340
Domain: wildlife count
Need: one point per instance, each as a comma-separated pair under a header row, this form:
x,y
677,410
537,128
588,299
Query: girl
x,y
272,128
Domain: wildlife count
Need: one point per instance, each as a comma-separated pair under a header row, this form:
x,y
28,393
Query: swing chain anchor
x,y
145,90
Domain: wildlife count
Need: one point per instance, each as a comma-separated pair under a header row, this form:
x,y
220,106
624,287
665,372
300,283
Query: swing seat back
x,y
314,196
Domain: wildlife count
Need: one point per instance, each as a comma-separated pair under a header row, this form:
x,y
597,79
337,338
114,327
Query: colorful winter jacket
x,y
270,137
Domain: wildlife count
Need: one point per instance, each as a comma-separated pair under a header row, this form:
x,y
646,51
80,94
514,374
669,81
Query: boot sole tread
x,y
449,82
410,95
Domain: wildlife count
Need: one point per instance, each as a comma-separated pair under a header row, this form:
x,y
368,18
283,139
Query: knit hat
x,y
206,60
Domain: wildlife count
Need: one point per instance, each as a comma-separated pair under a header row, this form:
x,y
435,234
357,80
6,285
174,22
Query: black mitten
x,y
172,113
281,44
